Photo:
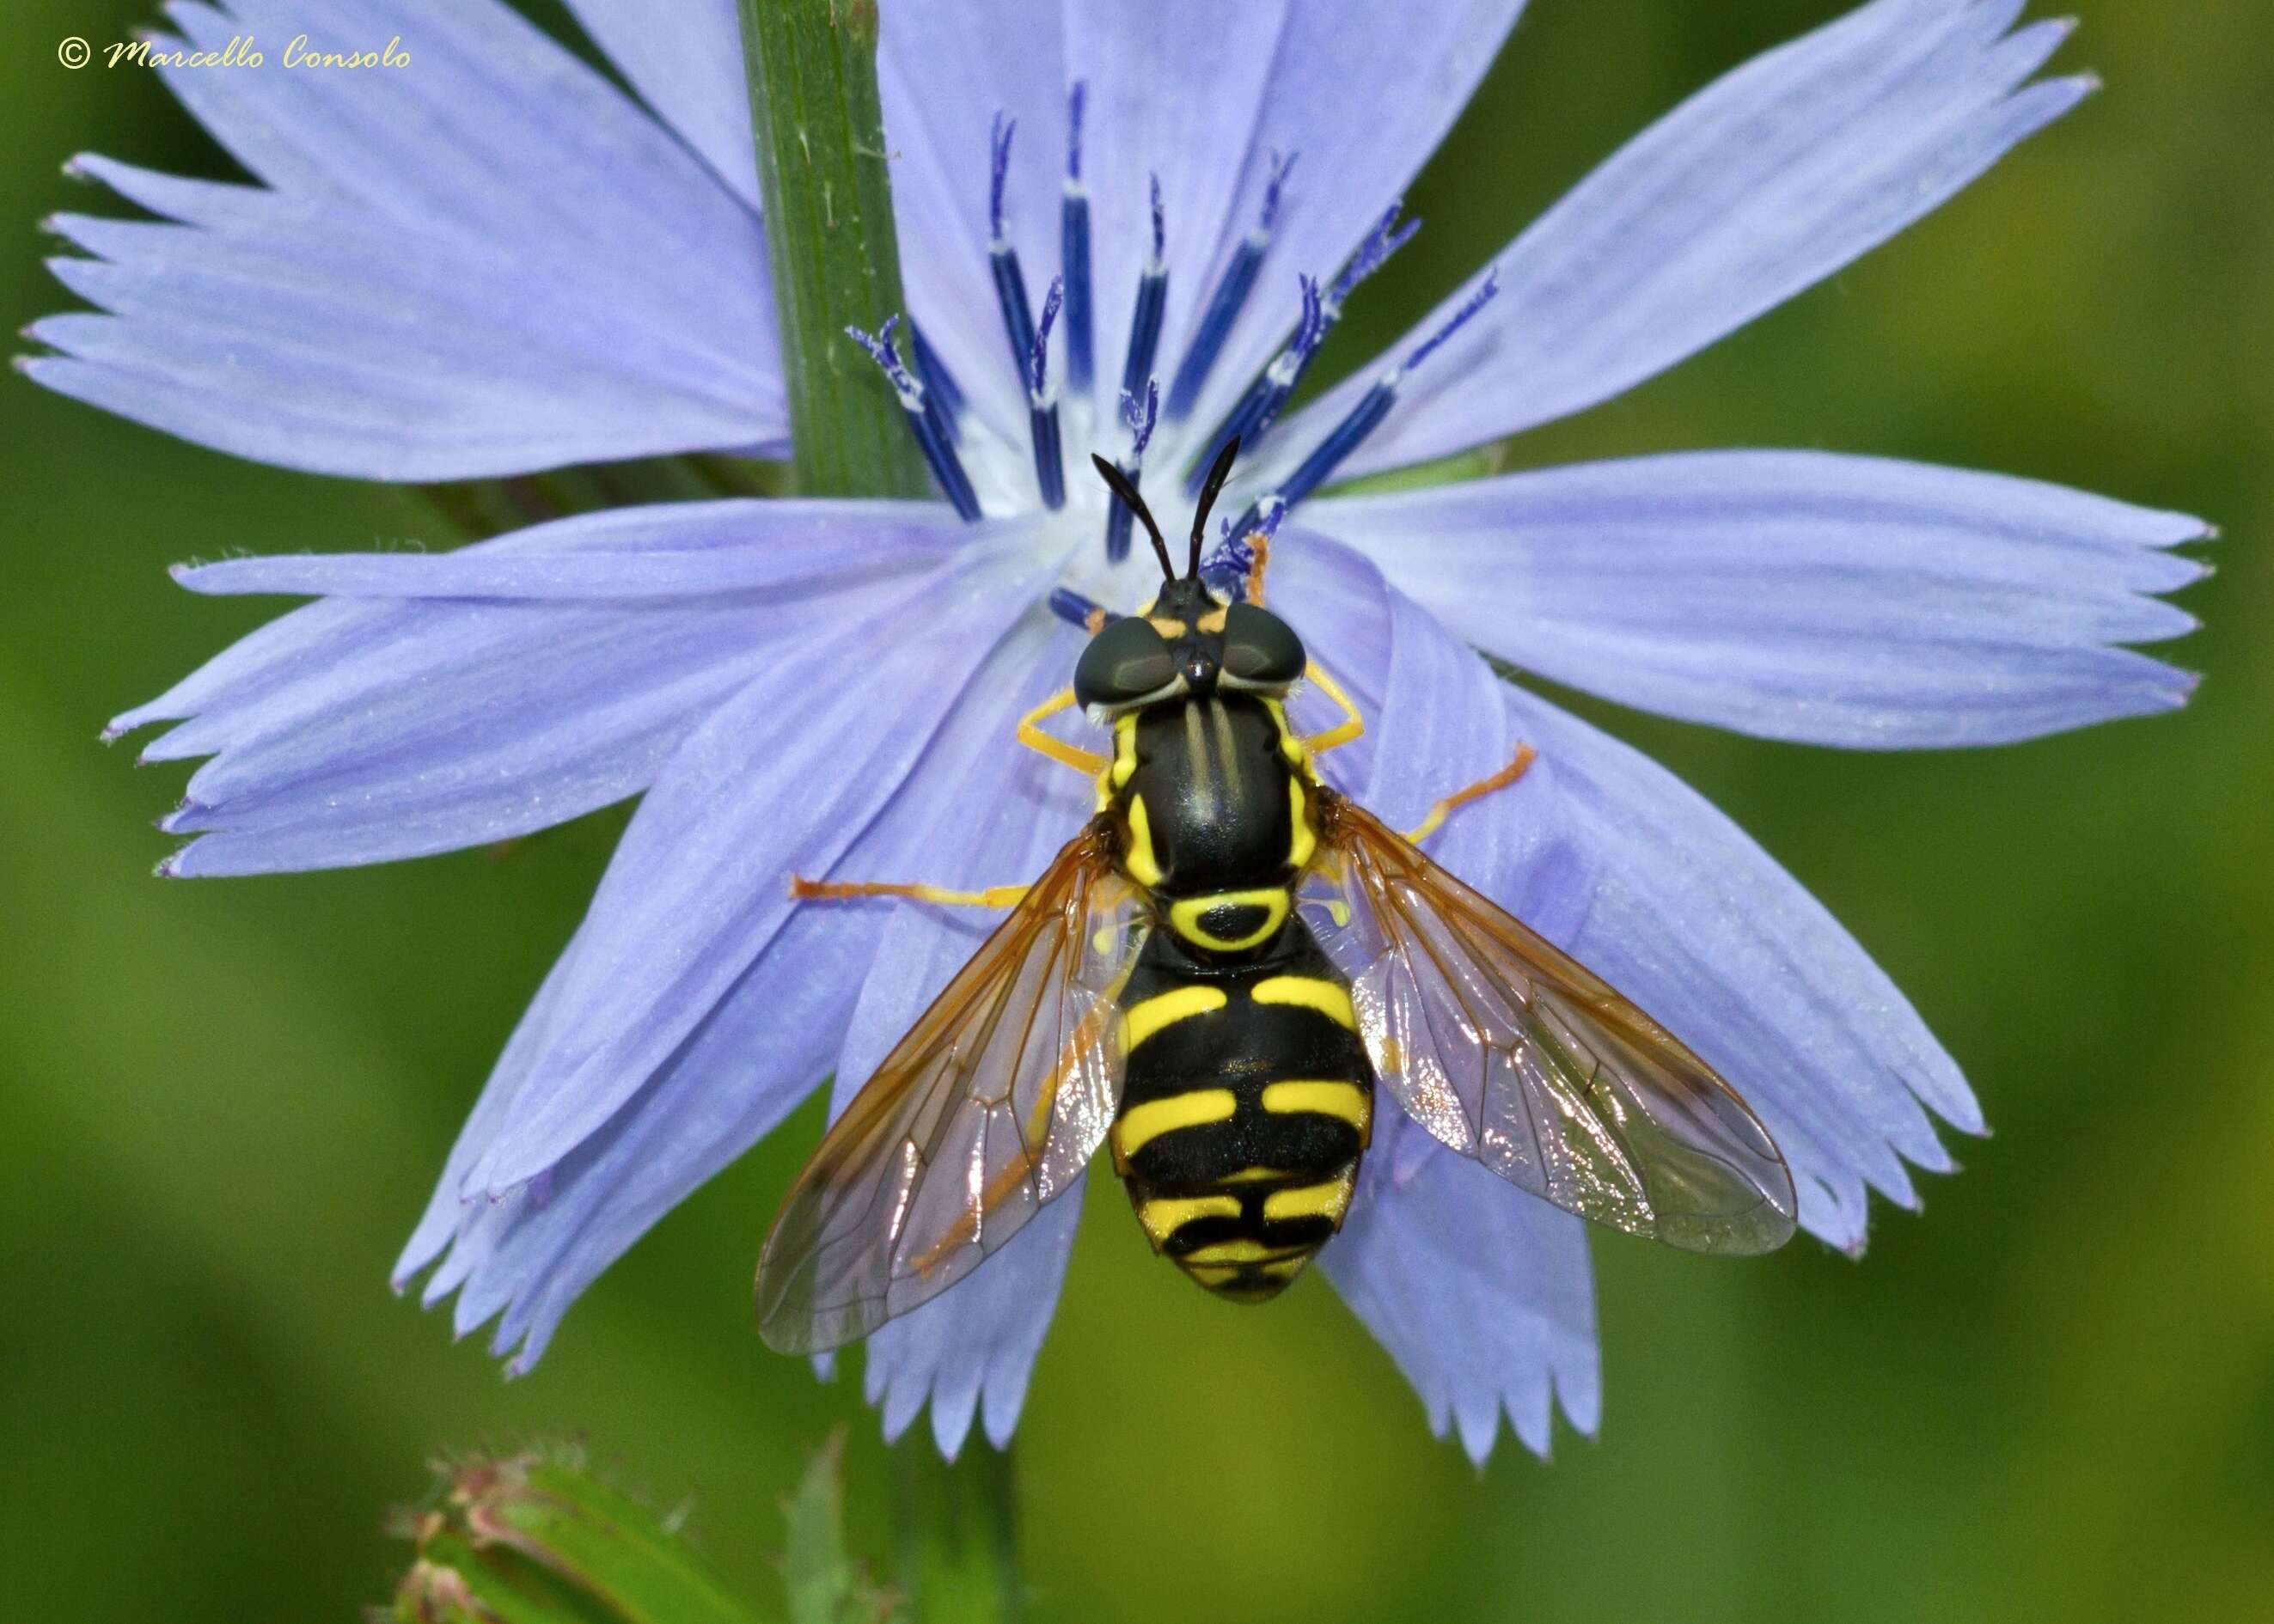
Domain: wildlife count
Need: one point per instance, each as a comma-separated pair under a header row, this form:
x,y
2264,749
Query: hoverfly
x,y
1161,988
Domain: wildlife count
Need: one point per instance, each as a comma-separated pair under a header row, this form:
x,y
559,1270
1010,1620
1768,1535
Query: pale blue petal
x,y
783,777
1691,919
942,73
1201,96
1482,1294
1832,599
523,1257
1365,92
691,71
981,811
527,1254
971,1350
1334,599
1151,114
357,731
389,307
1768,181
793,549
1440,725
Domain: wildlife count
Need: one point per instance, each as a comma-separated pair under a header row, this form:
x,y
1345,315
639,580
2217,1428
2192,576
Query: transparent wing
x,y
1511,1052
990,1106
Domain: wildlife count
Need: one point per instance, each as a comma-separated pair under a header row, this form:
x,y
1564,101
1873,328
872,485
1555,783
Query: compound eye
x,y
1259,649
1126,662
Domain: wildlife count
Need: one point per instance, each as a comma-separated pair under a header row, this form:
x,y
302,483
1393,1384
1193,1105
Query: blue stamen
x,y
1072,607
1374,405
1386,237
943,395
1341,441
947,467
1142,422
1077,99
1118,519
1043,404
1074,252
1002,259
999,171
1231,295
1258,409
1459,318
1038,358
1152,300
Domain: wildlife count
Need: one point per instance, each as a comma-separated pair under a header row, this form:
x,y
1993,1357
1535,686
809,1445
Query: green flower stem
x,y
956,1526
830,243
835,263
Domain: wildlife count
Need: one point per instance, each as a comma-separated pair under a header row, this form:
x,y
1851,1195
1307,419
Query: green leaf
x,y
451,1582
831,251
536,1538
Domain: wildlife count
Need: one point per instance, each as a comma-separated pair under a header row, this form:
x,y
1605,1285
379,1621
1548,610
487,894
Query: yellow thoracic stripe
x,y
1165,1217
1347,1101
1184,917
1331,999
1330,1200
1143,868
1125,749
1140,1021
1303,843
1141,1124
1291,747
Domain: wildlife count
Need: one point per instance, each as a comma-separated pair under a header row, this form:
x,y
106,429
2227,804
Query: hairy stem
x,y
834,257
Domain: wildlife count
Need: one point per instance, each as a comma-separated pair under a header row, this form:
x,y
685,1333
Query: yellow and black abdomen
x,y
1246,1101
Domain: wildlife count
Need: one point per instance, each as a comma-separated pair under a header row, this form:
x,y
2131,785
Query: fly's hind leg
x,y
802,890
1525,757
1031,735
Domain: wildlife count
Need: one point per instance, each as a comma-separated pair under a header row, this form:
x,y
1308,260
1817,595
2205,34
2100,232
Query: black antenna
x,y
1118,484
1209,492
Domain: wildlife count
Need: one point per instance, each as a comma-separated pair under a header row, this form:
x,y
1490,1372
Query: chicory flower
x,y
497,262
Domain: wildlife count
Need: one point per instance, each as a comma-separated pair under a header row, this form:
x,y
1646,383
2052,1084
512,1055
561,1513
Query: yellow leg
x,y
1525,757
1353,725
1033,738
802,890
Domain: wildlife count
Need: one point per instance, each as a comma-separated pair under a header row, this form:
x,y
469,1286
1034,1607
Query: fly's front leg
x,y
1087,762
1351,727
1525,757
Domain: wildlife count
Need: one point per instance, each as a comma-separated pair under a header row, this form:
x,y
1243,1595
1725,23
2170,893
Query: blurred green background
x,y
2051,1396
